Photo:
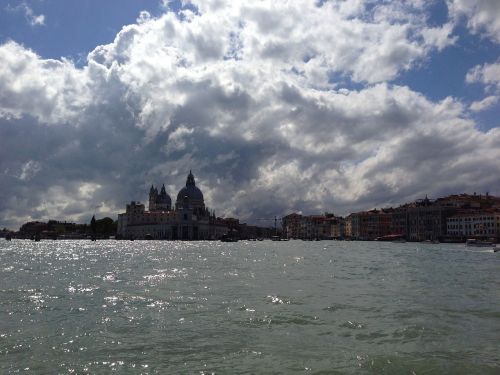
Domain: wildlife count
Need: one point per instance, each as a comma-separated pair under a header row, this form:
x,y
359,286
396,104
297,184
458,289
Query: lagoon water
x,y
249,307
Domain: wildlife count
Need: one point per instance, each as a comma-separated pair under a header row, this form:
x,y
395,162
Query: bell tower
x,y
153,196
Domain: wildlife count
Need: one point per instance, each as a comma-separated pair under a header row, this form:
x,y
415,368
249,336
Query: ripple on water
x,y
422,363
126,299
82,289
282,300
278,320
244,308
110,276
336,307
252,317
277,300
352,324
296,319
371,336
409,333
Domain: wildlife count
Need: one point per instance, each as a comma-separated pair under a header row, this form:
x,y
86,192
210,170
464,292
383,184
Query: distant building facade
x,y
327,226
454,217
480,224
427,219
448,218
369,225
189,220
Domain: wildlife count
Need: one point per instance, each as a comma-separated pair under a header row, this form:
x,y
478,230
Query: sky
x,y
276,106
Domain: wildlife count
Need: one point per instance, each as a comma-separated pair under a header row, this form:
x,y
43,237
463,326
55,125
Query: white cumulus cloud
x,y
487,74
482,16
484,104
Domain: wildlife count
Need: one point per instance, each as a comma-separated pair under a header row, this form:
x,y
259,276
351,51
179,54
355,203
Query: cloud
x,y
440,37
484,104
32,18
276,106
29,170
51,90
487,74
481,15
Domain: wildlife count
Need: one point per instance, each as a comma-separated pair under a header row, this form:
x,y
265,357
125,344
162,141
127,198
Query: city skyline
x,y
276,107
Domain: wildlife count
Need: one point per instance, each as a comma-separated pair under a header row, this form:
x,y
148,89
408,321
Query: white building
x,y
190,220
480,224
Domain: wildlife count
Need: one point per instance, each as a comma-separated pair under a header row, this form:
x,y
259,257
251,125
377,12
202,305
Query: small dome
x,y
164,199
159,202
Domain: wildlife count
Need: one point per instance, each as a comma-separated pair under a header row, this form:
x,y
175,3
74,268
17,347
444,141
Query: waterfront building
x,y
479,224
190,220
337,227
399,221
427,219
292,225
469,201
296,226
244,231
369,225
348,226
320,226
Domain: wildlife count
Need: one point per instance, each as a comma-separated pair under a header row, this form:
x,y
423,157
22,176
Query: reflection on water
x,y
258,307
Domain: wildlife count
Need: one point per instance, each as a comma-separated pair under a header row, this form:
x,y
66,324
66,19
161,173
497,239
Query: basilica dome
x,y
190,195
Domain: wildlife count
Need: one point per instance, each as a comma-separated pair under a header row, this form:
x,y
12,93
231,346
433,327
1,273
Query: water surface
x,y
250,307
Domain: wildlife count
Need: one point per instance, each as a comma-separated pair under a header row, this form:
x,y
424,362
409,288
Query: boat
x,y
227,238
431,241
392,238
399,240
472,242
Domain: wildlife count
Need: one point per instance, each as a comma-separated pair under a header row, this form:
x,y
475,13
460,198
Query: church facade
x,y
189,219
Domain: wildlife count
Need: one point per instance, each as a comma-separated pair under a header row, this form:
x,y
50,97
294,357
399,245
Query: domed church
x,y
190,196
190,220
